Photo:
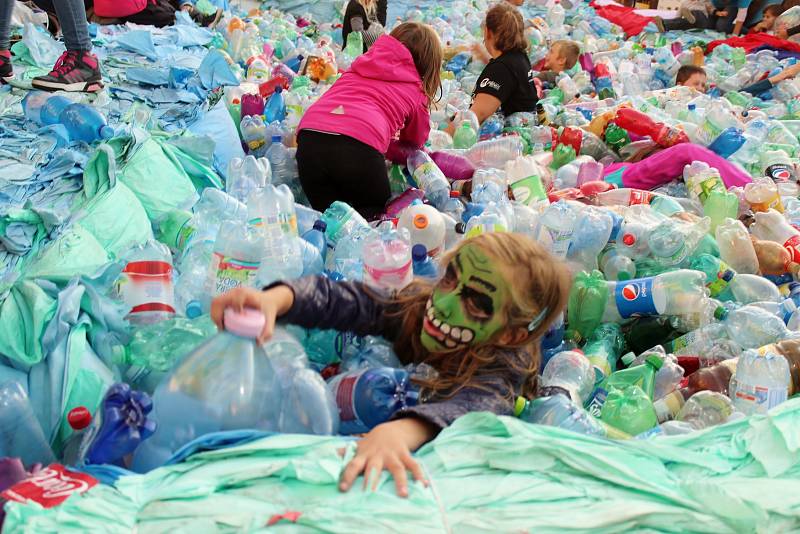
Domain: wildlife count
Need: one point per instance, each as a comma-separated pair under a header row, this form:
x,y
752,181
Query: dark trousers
x,y
158,14
701,21
338,167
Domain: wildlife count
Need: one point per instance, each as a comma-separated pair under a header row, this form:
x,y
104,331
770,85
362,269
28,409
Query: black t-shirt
x,y
509,78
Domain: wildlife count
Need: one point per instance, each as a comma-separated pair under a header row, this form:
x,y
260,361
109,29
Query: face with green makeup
x,y
467,305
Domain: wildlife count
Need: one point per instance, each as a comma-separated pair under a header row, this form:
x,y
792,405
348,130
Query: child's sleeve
x,y
345,306
418,127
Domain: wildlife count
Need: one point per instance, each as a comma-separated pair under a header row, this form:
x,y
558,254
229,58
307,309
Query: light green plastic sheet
x,y
487,473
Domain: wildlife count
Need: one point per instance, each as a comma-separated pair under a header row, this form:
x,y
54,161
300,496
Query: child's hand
x,y
272,303
388,446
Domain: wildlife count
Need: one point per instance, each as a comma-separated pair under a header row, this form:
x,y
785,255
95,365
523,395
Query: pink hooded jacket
x,y
380,95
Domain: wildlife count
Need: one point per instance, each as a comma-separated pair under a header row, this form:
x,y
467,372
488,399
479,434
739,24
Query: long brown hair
x,y
506,24
426,50
540,282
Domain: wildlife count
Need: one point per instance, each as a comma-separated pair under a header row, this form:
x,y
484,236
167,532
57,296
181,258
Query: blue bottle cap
x,y
194,309
419,252
320,225
277,139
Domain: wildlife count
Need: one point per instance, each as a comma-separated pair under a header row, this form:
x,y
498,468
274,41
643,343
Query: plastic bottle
x,y
247,175
555,17
369,397
557,226
316,236
342,220
146,284
275,108
494,153
772,226
228,383
761,382
623,197
560,411
280,162
236,257
424,266
642,124
85,123
387,259
728,142
671,241
629,409
762,195
716,378
79,420
776,165
751,327
44,108
21,435
425,226
603,349
720,205
736,248
616,266
122,423
454,207
429,178
571,372
465,136
593,228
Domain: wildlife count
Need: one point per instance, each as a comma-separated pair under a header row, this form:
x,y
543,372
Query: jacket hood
x,y
388,60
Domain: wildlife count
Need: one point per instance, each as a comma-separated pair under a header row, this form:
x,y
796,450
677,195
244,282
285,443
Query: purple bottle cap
x,y
248,323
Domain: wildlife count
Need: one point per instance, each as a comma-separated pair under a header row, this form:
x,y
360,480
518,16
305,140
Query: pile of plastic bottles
x,y
683,313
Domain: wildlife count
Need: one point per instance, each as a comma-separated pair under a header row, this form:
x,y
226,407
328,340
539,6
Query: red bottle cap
x,y
629,239
79,418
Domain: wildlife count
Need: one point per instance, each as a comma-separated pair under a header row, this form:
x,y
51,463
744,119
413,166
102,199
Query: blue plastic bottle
x,y
84,123
44,108
120,425
424,266
316,236
729,141
369,397
275,109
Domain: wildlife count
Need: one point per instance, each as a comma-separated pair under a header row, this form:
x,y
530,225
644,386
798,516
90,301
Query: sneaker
x,y
6,70
75,70
208,21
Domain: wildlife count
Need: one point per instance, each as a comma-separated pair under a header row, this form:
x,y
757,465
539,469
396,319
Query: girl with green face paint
x,y
479,328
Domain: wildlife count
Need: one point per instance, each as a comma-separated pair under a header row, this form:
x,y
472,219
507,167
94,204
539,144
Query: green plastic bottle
x,y
355,45
587,302
630,410
465,136
720,205
603,349
718,273
616,137
174,230
562,155
643,376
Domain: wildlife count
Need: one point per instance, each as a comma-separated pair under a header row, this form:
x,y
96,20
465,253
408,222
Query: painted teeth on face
x,y
449,343
436,322
445,328
455,333
466,335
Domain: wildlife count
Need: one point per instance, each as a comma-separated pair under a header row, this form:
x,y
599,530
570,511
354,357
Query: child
x,y
343,136
693,14
158,13
365,16
77,69
561,56
479,328
506,84
691,76
767,24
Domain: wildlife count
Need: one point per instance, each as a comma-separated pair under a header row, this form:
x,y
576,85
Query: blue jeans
x,y
71,16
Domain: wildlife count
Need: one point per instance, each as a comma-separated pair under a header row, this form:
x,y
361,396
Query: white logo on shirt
x,y
338,111
490,83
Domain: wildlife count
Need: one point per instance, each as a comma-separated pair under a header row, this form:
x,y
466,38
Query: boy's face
x,y
768,21
554,60
466,306
696,81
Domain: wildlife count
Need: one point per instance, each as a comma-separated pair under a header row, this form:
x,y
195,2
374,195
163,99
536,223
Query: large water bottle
x,y
238,250
761,382
254,133
369,397
228,383
556,228
21,435
280,162
146,284
429,178
85,123
275,108
425,226
571,372
752,327
387,259
44,108
271,211
246,175
343,220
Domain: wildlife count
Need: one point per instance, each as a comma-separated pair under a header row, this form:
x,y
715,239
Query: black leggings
x,y
338,167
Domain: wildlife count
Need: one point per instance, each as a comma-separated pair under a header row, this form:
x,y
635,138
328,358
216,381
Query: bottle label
x,y
255,144
680,343
793,246
396,278
640,197
559,240
479,229
528,190
50,487
146,286
780,172
759,399
230,273
595,404
423,173
772,203
720,284
703,188
634,298
668,407
344,390
286,222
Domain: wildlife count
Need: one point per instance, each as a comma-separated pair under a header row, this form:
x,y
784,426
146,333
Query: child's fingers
x,y
269,325
416,471
350,472
398,471
373,473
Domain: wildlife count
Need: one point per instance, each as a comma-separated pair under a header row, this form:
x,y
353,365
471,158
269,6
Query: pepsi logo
x,y
630,292
781,174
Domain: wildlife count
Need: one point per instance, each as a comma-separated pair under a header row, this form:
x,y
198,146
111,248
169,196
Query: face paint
x,y
466,306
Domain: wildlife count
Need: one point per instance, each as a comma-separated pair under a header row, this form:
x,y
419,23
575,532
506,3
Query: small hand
x,y
272,303
387,447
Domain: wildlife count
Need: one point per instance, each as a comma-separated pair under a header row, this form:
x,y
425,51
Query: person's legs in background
x,y
77,69
6,70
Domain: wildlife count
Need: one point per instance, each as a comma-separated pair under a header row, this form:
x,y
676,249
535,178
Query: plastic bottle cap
x,y
419,252
247,323
519,406
720,313
628,358
623,276
727,276
79,418
320,225
276,138
420,221
194,309
692,107
629,239
455,194
655,361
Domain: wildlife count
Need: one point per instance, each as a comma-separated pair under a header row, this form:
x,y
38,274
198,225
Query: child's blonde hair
x,y
539,287
370,6
426,50
569,50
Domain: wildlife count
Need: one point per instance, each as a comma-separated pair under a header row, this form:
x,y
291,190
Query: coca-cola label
x,y
793,246
640,197
50,487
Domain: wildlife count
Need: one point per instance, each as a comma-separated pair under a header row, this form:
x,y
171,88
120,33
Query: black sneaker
x,y
208,21
75,70
6,70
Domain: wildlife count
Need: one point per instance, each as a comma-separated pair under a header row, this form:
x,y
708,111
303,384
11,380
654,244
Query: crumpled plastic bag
x,y
215,71
218,125
139,42
37,48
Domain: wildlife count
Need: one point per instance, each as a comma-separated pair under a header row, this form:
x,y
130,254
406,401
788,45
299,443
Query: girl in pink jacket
x,y
343,136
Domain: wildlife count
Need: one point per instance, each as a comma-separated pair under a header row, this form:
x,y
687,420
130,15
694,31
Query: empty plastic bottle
x,y
387,259
44,108
254,134
465,136
616,266
424,266
21,435
571,372
752,327
85,123
425,226
237,257
275,108
246,176
735,246
280,162
429,178
560,411
342,220
146,284
556,228
761,382
316,236
79,420
369,397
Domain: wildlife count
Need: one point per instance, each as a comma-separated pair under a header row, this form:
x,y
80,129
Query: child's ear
x,y
514,336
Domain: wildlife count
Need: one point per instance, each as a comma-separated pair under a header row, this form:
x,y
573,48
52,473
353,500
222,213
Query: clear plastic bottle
x,y
146,284
254,133
238,250
280,162
387,259
671,293
556,228
571,372
616,266
761,382
246,175
21,435
79,420
735,246
429,178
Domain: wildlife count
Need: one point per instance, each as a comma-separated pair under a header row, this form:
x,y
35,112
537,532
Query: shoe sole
x,y
7,79
77,87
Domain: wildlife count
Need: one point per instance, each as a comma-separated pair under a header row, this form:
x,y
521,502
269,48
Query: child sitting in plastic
x,y
479,327
767,24
563,55
692,76
693,14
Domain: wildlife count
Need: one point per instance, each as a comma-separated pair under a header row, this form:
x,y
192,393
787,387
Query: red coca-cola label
x,y
639,196
793,246
50,487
